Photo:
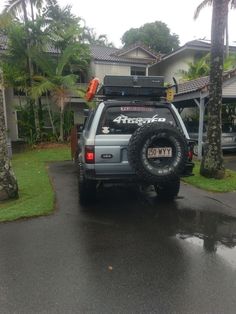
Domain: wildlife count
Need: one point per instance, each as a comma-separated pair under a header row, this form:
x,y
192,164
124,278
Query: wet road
x,y
128,254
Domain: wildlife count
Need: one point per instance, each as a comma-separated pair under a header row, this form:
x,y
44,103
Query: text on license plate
x,y
156,152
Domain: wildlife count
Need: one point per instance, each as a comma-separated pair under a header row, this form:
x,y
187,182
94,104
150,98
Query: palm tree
x,y
196,69
203,4
212,162
15,8
90,36
8,183
201,67
54,79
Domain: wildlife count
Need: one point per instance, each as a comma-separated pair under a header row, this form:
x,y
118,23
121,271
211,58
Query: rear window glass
x,y
126,119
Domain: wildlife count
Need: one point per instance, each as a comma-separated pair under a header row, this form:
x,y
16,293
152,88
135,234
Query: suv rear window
x,y
126,119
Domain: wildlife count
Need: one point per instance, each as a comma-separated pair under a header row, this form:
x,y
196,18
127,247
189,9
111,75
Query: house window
x,y
138,71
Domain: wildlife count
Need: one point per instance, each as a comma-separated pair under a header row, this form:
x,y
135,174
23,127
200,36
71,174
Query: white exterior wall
x,y
171,67
138,53
100,70
230,89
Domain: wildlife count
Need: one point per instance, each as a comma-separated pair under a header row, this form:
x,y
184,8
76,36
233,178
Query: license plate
x,y
156,152
228,139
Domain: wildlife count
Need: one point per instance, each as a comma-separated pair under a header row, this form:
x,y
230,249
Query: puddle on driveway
x,y
132,212
214,232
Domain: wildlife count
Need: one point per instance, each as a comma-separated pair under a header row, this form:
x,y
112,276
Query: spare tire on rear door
x,y
157,152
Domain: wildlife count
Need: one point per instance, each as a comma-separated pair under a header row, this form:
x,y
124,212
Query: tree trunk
x,y
212,162
61,136
36,119
8,183
51,117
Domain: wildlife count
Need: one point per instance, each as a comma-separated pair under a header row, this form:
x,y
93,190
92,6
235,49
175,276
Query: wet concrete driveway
x,y
128,253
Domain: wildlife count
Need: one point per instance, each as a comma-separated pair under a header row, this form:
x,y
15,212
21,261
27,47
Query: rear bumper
x,y
129,178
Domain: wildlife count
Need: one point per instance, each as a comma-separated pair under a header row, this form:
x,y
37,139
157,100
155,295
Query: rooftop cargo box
x,y
134,81
147,86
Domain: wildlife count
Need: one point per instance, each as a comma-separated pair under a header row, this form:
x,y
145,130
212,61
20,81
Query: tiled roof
x,y
3,45
201,82
200,45
193,85
101,53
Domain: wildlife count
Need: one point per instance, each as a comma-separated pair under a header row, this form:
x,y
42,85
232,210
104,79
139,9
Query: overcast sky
x,y
114,18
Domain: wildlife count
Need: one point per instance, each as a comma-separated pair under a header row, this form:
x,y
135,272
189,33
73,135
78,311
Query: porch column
x,y
201,106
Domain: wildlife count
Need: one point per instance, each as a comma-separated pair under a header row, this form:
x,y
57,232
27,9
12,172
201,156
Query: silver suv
x,y
133,138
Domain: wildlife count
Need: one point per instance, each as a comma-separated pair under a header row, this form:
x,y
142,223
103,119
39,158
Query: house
x,y
173,63
133,60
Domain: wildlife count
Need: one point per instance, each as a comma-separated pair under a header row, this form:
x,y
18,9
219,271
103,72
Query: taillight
x,y
190,155
190,150
89,154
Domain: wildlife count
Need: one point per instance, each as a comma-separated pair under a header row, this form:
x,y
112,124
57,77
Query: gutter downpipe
x,y
201,106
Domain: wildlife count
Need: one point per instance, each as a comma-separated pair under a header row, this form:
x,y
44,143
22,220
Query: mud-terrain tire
x,y
157,170
86,189
168,190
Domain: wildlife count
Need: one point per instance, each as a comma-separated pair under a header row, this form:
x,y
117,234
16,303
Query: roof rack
x,y
126,87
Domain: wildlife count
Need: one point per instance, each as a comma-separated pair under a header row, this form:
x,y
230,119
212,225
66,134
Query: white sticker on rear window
x,y
122,119
105,129
138,109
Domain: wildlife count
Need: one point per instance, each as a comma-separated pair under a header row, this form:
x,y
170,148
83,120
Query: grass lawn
x,y
228,184
36,196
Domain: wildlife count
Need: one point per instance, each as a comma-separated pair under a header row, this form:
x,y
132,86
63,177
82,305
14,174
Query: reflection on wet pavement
x,y
213,231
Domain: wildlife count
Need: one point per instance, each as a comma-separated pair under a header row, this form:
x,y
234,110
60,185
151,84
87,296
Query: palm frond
x,y
70,51
201,6
233,4
69,80
13,7
45,63
41,86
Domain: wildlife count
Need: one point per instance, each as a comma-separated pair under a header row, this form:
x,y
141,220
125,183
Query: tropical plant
x,y
201,67
90,36
37,33
212,161
8,183
196,69
203,4
55,80
15,65
15,8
